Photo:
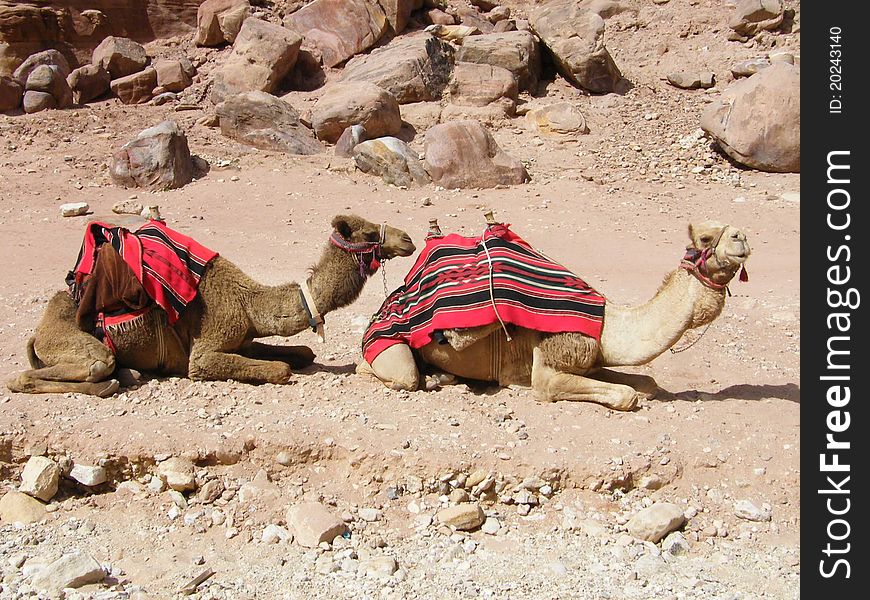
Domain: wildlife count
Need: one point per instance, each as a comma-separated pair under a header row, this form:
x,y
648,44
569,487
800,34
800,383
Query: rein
x,y
695,262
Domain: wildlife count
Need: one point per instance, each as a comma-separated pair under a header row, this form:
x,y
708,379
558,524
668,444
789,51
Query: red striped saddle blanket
x,y
462,281
168,264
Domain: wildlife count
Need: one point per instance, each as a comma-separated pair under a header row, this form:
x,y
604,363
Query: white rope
x,y
491,286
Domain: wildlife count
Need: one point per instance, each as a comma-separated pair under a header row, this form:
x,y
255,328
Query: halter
x,y
367,266
695,262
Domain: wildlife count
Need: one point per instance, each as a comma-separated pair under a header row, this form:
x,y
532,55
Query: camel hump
x,y
32,358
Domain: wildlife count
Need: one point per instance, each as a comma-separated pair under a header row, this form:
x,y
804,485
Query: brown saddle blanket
x,y
111,288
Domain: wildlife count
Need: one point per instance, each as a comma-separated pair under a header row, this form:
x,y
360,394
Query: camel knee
x,y
397,368
101,368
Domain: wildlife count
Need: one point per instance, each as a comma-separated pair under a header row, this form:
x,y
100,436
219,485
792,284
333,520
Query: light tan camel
x,y
215,337
559,366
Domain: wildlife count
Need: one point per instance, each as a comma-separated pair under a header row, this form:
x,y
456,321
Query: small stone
x,y
650,565
74,209
88,475
210,491
379,567
475,478
178,499
272,534
370,514
325,564
312,523
463,517
40,478
178,473
17,507
156,485
284,458
523,509
747,510
69,571
655,522
675,544
458,496
491,526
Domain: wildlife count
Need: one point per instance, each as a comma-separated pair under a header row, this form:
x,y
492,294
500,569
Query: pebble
x,y
179,473
272,534
675,544
74,209
491,526
745,509
655,522
370,515
380,567
88,475
312,523
463,517
127,207
40,478
69,571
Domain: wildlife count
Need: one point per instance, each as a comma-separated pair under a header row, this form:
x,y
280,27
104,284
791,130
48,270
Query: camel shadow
x,y
313,368
744,391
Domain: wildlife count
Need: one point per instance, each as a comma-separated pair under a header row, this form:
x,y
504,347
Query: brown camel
x,y
215,337
560,366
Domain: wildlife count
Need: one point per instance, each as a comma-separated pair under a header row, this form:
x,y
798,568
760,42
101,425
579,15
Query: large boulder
x,y
137,88
475,84
50,79
357,103
575,37
262,56
392,160
413,69
219,21
120,56
24,30
157,159
339,29
753,16
757,120
88,82
463,154
264,121
51,58
516,51
10,93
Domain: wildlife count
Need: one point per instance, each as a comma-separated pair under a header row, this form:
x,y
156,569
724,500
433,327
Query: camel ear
x,y
691,233
342,226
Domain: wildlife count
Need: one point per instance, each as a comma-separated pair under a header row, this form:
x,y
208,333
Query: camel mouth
x,y
404,247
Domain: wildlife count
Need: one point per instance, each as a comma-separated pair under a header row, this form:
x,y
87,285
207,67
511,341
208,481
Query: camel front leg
x,y
34,382
214,365
552,385
395,367
298,357
644,384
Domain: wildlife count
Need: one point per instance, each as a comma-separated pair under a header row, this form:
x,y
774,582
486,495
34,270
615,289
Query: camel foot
x,y
127,377
104,389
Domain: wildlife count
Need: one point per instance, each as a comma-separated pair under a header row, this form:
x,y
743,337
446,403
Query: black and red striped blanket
x,y
449,287
168,264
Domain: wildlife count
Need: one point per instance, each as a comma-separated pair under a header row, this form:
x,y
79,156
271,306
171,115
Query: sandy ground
x,y
613,206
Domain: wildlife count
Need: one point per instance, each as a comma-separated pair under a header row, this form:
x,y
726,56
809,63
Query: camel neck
x,y
336,280
636,335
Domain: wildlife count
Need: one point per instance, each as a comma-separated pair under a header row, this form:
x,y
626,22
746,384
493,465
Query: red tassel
x,y
744,276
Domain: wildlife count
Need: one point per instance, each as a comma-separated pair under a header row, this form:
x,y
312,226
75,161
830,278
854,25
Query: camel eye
x,y
706,239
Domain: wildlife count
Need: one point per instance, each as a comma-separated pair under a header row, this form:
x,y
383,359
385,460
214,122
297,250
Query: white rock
x,y
747,510
312,523
380,566
272,534
655,522
74,209
490,526
69,571
40,478
88,475
370,514
179,473
675,544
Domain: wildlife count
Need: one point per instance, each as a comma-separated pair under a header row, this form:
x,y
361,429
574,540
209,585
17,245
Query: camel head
x,y
717,253
360,233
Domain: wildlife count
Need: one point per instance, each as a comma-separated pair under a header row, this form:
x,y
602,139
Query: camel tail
x,y
32,358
